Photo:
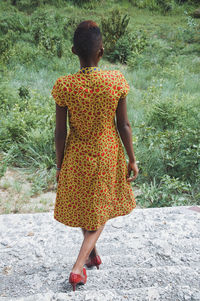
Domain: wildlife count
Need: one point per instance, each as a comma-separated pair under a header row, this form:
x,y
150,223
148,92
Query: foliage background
x,y
155,43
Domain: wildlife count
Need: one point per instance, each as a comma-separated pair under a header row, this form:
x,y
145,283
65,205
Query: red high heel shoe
x,y
94,261
75,279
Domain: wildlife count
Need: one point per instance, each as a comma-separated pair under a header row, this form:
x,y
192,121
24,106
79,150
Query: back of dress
x,y
92,186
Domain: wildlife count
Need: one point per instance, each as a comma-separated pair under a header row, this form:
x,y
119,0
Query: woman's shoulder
x,y
118,82
114,73
62,88
64,82
116,76
65,78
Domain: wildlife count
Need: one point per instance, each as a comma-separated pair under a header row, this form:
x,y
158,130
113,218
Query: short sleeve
x,y
59,94
124,86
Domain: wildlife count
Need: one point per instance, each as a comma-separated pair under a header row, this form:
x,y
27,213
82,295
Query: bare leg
x,y
94,250
88,244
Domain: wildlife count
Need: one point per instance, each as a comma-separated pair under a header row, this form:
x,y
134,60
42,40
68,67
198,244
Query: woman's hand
x,y
57,175
132,166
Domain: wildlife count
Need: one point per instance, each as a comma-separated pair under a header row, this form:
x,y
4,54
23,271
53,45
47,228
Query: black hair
x,y
87,39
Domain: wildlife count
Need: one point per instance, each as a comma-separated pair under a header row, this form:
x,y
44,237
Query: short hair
x,y
87,39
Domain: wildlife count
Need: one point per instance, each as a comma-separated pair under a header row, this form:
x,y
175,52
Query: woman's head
x,y
88,41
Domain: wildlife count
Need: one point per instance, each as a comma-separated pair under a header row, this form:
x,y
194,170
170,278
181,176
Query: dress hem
x,y
92,228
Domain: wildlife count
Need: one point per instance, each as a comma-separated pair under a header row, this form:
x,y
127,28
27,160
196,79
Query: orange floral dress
x,y
92,186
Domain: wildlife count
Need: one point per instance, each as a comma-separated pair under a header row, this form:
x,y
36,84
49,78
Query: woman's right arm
x,y
124,128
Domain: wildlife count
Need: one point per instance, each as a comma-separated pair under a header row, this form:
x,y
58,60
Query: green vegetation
x,y
156,44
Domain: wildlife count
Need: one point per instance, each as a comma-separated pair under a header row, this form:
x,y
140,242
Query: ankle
x,y
76,270
93,253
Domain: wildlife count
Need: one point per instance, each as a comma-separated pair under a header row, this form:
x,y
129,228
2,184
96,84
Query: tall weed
x,y
47,32
113,28
169,142
120,43
169,191
158,5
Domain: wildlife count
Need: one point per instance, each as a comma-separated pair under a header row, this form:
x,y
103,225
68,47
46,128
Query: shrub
x,y
191,32
121,44
26,5
170,191
158,5
13,127
47,32
13,21
165,114
129,46
7,97
24,92
187,1
156,51
113,28
122,50
5,44
27,132
25,53
164,6
37,148
69,27
90,4
172,152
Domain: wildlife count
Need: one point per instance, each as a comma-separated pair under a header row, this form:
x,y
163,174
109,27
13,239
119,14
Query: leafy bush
x,y
5,45
129,46
89,4
27,132
26,5
113,28
170,191
168,140
171,152
69,27
13,21
121,44
156,52
30,5
25,53
165,114
7,97
122,50
44,30
24,92
158,5
37,148
191,32
187,1
163,6
47,32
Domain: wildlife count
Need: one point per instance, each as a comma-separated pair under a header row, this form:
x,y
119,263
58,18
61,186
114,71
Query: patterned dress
x,y
92,186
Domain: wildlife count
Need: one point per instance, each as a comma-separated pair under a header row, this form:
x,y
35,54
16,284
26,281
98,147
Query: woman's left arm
x,y
60,133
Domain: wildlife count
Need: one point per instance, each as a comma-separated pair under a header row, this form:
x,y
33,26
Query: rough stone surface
x,y
150,254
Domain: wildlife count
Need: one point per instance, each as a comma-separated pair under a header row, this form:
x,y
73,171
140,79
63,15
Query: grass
x,y
19,194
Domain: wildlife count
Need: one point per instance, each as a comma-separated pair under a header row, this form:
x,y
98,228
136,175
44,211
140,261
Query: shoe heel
x,y
74,286
97,267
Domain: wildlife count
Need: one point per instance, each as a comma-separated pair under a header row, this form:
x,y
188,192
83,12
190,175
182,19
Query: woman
x,y
92,174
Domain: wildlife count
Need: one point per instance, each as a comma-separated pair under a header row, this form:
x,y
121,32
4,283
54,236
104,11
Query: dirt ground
x,y
17,195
